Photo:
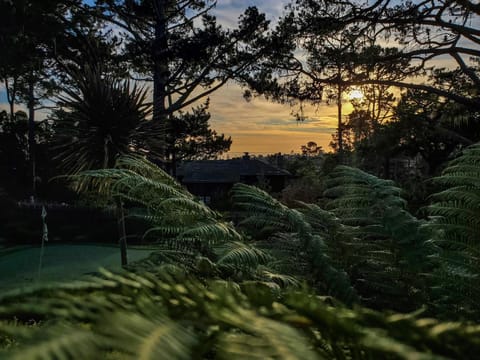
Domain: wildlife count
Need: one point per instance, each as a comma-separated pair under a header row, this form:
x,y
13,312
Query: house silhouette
x,y
211,180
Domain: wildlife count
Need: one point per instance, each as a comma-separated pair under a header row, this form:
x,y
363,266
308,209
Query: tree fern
x,y
123,316
380,244
58,342
455,230
147,338
284,280
261,338
172,211
241,255
360,198
335,235
182,227
288,253
280,219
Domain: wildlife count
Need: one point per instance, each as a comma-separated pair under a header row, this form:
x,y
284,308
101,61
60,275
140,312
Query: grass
x,y
61,263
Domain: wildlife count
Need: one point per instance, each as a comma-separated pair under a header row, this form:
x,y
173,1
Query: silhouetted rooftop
x,y
226,171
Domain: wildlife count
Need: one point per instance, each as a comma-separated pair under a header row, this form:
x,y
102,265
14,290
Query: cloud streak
x,y
263,126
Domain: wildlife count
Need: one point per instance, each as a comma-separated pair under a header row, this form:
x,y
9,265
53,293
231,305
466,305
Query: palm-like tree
x,y
103,117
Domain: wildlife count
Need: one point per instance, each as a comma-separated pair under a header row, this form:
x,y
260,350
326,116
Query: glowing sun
x,y
355,95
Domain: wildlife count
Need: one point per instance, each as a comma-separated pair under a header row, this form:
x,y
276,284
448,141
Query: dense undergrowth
x,y
358,278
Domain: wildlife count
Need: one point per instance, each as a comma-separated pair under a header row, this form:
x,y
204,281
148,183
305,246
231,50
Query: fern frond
x,y
455,230
211,233
147,338
174,316
285,220
262,338
146,169
241,255
171,210
375,233
266,274
59,342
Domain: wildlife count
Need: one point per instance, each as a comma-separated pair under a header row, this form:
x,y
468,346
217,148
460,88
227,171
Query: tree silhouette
x,y
189,137
28,30
106,118
421,31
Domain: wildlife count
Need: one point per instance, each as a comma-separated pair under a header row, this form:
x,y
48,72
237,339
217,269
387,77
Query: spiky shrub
x,y
383,248
103,117
455,230
177,317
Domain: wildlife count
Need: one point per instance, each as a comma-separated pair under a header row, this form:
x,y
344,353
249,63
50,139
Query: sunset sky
x,y
260,126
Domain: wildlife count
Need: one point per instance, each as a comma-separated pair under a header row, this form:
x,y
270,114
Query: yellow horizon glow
x,y
260,126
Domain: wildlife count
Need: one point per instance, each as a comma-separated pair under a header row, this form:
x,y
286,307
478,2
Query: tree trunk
x,y
31,132
109,163
122,233
386,167
340,124
11,93
160,61
160,68
173,170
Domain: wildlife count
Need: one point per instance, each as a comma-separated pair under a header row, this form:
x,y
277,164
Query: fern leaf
x,y
142,338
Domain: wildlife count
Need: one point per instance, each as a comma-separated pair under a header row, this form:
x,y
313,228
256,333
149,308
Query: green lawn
x,y
19,266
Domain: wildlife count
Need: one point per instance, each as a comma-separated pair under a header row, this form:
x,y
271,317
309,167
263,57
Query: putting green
x,y
19,266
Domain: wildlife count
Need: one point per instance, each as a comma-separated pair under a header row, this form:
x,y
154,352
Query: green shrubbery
x,y
357,278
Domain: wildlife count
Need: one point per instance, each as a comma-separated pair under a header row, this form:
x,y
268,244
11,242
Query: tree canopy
x,y
180,47
336,266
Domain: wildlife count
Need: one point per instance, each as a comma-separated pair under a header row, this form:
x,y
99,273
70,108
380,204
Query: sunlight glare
x,y
355,94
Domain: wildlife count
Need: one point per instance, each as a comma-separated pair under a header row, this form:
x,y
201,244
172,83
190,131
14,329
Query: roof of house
x,y
226,171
